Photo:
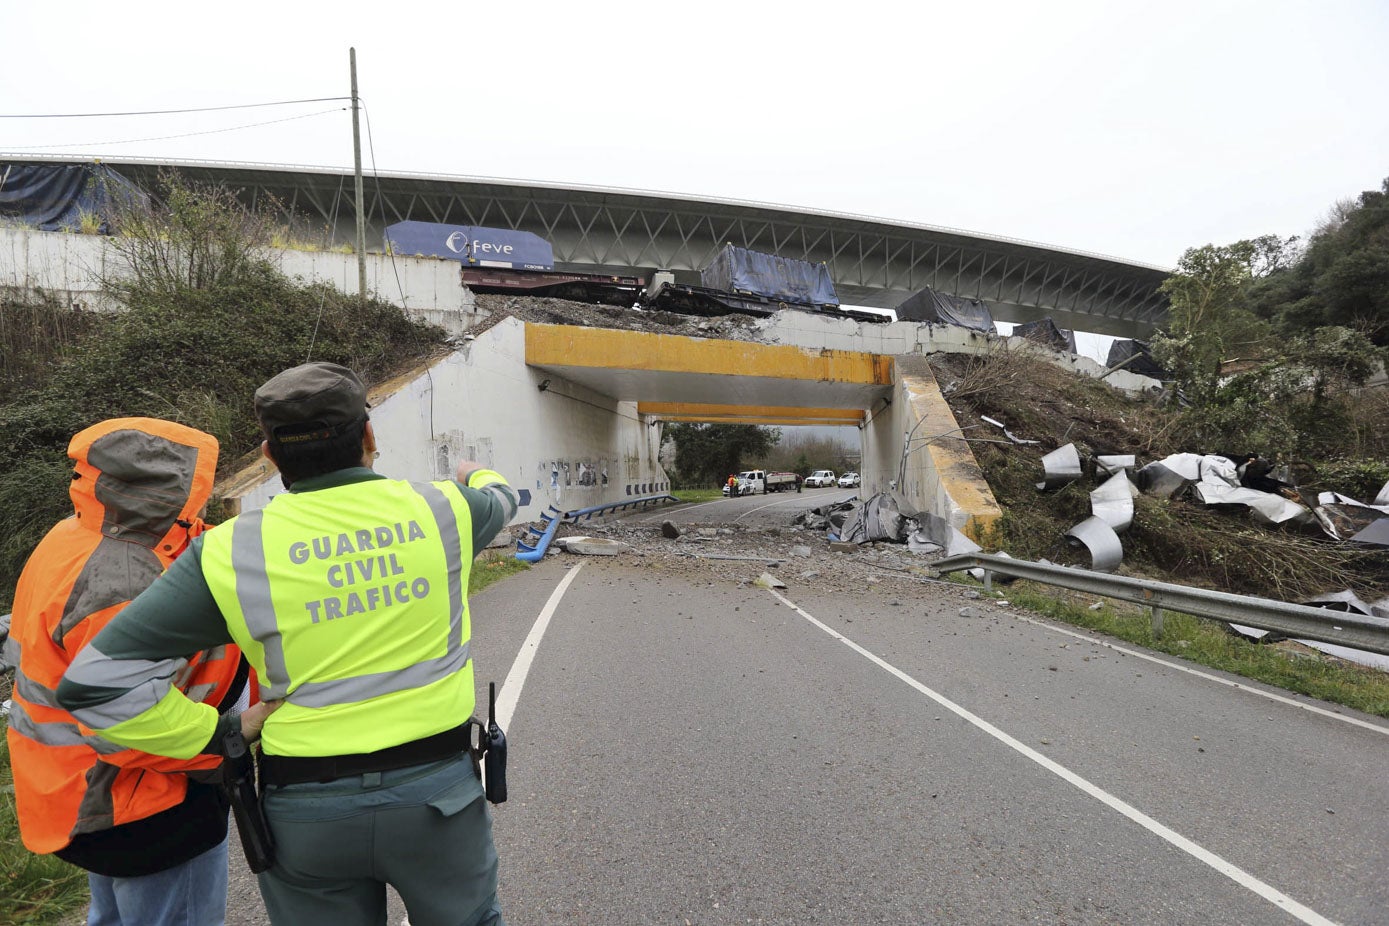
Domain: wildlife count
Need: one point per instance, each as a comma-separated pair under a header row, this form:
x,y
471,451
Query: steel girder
x,y
873,262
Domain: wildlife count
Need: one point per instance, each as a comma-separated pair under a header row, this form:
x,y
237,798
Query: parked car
x,y
848,480
820,479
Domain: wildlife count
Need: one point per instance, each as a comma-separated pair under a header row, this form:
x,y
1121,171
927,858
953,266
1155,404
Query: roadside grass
x,y
35,890
1209,643
492,566
698,495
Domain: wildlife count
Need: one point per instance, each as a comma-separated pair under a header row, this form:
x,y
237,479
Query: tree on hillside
x,y
1342,278
707,453
1210,318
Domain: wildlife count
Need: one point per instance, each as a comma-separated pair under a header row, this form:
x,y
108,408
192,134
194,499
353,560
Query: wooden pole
x,y
357,186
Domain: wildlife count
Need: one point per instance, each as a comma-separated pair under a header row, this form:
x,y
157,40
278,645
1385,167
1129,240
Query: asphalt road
x,y
689,749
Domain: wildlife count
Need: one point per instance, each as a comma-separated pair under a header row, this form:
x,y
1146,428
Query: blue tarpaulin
x,y
738,270
931,306
58,197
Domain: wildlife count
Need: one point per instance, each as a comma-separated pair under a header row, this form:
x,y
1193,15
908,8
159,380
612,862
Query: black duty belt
x,y
290,770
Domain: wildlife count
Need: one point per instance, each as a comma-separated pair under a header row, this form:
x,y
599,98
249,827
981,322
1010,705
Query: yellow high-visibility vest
x,y
351,603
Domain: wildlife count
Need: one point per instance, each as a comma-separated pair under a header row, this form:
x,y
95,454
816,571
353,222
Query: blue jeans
x,y
191,894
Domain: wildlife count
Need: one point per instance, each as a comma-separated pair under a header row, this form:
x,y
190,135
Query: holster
x,y
239,784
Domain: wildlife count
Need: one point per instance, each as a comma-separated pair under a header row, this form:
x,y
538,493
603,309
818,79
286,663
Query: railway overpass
x,y
873,261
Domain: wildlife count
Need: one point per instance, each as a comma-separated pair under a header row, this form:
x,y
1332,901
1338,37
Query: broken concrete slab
x,y
595,546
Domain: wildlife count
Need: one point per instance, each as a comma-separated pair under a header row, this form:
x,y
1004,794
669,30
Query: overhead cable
x,y
168,112
127,141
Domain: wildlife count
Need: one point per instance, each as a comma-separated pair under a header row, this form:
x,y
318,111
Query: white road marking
x,y
510,694
784,502
1229,870
1206,675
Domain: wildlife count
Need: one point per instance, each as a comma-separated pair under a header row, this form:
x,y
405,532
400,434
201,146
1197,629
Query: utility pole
x,y
357,186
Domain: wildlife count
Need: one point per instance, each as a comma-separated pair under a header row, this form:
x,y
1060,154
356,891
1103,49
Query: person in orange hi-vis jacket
x,y
150,831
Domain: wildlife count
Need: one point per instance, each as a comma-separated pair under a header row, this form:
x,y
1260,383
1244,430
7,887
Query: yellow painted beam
x,y
694,411
610,349
747,419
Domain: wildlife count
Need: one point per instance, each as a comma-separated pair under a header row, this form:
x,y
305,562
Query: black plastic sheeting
x,y
57,197
738,270
931,306
1140,359
1046,332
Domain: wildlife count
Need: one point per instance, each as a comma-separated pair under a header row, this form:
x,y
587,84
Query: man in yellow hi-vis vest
x,y
348,595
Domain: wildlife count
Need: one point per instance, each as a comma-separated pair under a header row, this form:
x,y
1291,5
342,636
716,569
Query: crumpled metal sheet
x,y
1112,502
1344,521
1106,552
1110,463
1348,601
938,532
1264,506
1383,497
1377,534
1169,475
878,518
1061,467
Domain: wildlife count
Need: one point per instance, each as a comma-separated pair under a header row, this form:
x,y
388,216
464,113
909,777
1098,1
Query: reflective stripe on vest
x,y
351,603
254,593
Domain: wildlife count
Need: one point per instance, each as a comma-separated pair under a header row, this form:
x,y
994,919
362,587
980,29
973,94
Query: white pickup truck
x,y
756,481
820,479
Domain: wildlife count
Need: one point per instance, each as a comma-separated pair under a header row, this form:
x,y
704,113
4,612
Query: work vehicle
x,y
848,480
499,260
756,481
821,478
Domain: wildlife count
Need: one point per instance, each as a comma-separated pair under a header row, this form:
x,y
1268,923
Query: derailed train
x,y
738,280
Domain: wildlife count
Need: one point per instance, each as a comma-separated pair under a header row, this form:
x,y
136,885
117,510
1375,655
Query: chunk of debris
x,y
767,580
839,546
1007,433
668,529
595,546
1112,502
1060,467
801,551
1106,552
1110,463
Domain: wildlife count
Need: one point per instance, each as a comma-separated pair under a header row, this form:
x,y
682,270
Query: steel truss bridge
x,y
873,262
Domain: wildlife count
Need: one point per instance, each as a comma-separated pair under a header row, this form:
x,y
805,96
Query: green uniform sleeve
x,y
492,504
121,684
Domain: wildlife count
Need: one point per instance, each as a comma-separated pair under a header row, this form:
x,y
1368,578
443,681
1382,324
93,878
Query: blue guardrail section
x,y
534,551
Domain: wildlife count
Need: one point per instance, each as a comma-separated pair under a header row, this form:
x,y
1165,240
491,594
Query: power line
x,y
127,141
168,112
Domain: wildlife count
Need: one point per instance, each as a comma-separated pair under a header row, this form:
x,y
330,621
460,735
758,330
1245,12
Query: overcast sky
x,y
1129,129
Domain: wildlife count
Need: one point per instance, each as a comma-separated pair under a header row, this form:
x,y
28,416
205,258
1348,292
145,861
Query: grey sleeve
x,y
492,508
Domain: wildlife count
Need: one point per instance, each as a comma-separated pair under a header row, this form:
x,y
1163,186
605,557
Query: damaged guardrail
x,y
1296,621
534,552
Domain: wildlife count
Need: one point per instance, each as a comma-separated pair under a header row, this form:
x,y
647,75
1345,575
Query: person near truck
x,y
150,831
349,596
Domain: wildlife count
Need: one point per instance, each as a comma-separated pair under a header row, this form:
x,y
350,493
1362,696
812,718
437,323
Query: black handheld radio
x,y
494,760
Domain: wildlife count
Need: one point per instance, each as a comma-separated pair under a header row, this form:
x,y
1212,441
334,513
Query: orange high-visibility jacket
x,y
138,487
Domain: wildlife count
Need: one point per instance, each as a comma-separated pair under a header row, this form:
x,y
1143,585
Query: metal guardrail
x,y
534,552
1296,621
